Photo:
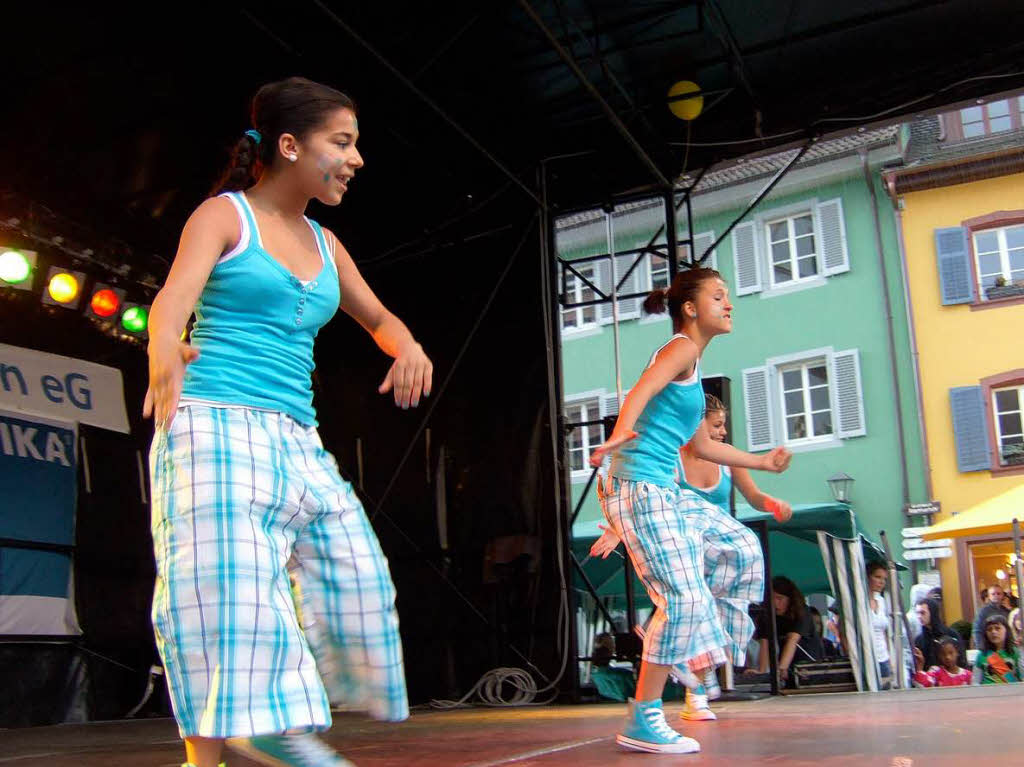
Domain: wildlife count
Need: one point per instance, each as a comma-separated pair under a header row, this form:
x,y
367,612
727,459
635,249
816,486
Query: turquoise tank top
x,y
255,325
670,420
717,495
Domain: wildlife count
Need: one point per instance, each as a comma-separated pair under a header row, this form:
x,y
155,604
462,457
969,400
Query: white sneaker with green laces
x,y
299,750
696,708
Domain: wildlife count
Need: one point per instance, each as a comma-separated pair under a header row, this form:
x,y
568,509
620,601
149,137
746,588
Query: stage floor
x,y
909,728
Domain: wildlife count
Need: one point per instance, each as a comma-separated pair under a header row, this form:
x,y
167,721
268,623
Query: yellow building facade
x,y
962,226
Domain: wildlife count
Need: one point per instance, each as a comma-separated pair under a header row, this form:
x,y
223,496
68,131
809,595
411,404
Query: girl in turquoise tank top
x,y
273,599
713,481
655,519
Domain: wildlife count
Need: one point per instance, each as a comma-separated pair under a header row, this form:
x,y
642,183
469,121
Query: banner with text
x,y
64,388
38,488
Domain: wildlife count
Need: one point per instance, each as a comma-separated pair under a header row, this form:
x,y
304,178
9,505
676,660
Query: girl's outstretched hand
x,y
613,442
777,460
606,544
781,510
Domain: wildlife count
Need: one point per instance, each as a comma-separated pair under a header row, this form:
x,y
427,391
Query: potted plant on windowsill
x,y
1003,290
1013,455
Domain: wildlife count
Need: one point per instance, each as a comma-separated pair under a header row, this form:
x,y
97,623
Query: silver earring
x,y
694,315
293,157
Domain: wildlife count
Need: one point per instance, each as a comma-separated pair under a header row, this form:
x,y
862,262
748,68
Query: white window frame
x,y
769,289
597,396
794,258
581,328
1004,255
1019,388
776,366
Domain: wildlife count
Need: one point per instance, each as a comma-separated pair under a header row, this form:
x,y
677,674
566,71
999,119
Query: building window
x,y
985,119
1007,406
806,403
583,439
999,256
577,291
659,272
792,249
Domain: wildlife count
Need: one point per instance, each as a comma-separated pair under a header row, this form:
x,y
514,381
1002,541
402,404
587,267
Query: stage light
x,y
683,107
63,288
106,302
16,267
135,319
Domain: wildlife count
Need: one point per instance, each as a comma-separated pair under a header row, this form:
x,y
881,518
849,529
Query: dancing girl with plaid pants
x,y
273,599
647,510
733,560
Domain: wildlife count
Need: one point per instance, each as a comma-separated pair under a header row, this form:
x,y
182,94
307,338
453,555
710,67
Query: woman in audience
x,y
933,631
998,662
795,629
878,574
949,672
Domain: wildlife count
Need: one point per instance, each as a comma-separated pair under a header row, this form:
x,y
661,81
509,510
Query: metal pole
x,y
560,473
895,595
1017,567
610,113
763,193
610,235
425,98
769,607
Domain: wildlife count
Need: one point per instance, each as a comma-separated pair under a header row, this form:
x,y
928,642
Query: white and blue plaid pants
x,y
701,569
272,594
666,550
733,569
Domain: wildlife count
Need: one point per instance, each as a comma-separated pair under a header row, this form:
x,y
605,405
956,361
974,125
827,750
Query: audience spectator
x,y
998,660
933,632
1016,626
994,606
918,592
794,625
949,672
612,681
819,645
878,574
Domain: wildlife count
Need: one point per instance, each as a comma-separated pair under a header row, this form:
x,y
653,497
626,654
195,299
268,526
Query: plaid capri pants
x,y
733,568
658,526
273,598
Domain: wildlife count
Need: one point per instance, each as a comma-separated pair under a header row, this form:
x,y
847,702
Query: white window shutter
x,y
745,260
701,242
629,308
835,258
849,394
611,403
757,405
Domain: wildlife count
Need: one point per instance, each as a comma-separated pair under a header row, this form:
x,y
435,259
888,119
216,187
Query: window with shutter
x,y
956,284
757,407
834,255
849,396
577,291
629,308
805,401
1008,408
582,437
745,260
970,428
999,258
815,397
701,243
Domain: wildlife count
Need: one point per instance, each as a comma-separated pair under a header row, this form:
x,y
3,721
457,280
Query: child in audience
x,y
998,662
948,673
